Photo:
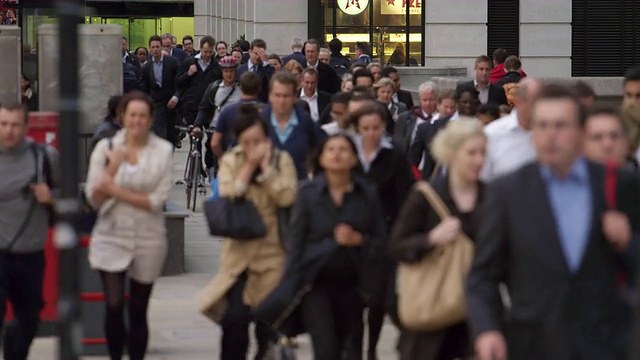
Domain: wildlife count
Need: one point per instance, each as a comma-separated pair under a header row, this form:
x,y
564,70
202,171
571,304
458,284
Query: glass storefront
x,y
385,24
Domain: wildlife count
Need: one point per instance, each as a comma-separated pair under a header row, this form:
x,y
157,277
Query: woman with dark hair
x,y
337,219
389,169
111,124
250,270
128,182
221,50
275,62
29,97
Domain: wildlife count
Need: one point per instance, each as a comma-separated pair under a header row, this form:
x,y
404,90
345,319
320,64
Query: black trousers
x,y
235,327
164,122
21,277
332,316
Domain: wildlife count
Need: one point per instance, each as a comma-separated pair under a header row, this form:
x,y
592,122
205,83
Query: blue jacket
x,y
304,139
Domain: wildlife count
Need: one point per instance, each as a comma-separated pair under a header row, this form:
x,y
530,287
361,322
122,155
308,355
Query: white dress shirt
x,y
483,92
313,104
509,147
331,128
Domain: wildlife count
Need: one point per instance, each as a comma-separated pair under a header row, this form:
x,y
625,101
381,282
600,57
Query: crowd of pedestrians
x,y
528,190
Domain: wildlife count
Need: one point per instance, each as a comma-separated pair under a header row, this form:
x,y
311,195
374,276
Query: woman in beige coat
x,y
128,182
250,270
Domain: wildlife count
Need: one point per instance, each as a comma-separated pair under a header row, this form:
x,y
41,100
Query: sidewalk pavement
x,y
177,330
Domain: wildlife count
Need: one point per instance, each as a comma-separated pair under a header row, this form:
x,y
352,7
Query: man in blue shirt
x,y
548,232
290,127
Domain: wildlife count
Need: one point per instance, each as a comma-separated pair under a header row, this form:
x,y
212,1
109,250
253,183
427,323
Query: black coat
x,y
160,95
421,145
328,80
391,173
510,77
179,54
313,218
406,98
403,129
496,93
297,56
193,87
555,314
265,73
340,64
324,99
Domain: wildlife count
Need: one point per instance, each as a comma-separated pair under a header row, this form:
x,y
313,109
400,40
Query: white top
x,y
509,147
313,104
331,128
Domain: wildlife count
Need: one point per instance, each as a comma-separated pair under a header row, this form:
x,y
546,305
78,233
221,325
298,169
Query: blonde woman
x,y
384,90
129,181
347,83
294,67
461,148
250,270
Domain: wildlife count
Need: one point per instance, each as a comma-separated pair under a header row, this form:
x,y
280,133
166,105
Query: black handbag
x,y
236,218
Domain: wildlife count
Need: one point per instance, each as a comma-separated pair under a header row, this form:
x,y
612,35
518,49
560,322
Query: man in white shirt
x,y
317,100
509,144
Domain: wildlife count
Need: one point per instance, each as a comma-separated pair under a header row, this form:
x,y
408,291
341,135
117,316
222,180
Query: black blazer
x,y
421,145
179,55
193,87
405,98
133,60
391,172
496,93
403,129
160,95
265,73
324,99
555,314
328,80
296,55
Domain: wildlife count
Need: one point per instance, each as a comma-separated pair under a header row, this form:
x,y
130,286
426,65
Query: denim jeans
x,y
21,277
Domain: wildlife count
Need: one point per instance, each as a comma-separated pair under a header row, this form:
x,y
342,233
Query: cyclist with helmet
x,y
217,96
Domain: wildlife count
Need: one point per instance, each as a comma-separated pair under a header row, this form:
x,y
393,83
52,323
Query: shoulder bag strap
x,y
434,199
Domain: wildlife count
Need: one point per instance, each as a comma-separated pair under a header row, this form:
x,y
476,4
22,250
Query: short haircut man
x,y
500,56
482,59
363,47
605,138
155,38
363,73
209,40
284,78
512,63
188,37
447,94
245,45
296,44
310,42
335,45
258,43
586,93
250,83
632,86
387,71
311,71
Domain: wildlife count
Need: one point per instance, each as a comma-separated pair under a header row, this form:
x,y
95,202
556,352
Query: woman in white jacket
x,y
129,181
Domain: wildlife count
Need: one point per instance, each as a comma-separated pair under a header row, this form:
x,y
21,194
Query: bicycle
x,y
193,167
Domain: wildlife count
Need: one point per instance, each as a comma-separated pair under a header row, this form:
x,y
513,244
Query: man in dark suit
x,y
128,57
487,92
259,63
407,123
421,146
297,55
548,233
178,54
329,81
318,100
158,80
400,95
195,75
338,62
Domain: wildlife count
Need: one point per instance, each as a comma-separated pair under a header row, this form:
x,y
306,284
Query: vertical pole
x,y
67,207
407,30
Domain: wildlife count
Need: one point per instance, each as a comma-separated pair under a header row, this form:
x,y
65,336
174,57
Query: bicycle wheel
x,y
188,171
195,177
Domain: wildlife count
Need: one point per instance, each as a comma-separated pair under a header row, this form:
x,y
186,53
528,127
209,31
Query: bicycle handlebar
x,y
189,129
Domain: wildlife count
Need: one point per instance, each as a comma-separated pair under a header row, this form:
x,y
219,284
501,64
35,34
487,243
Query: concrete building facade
x,y
455,31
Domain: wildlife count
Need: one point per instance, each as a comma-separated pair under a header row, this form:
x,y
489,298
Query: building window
x,y
605,37
503,26
384,24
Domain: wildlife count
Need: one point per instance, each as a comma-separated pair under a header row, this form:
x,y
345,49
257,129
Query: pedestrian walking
x,y
249,270
419,231
338,221
112,122
128,182
158,80
29,172
389,169
555,216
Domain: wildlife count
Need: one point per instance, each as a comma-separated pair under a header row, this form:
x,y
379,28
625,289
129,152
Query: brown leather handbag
x,y
431,293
